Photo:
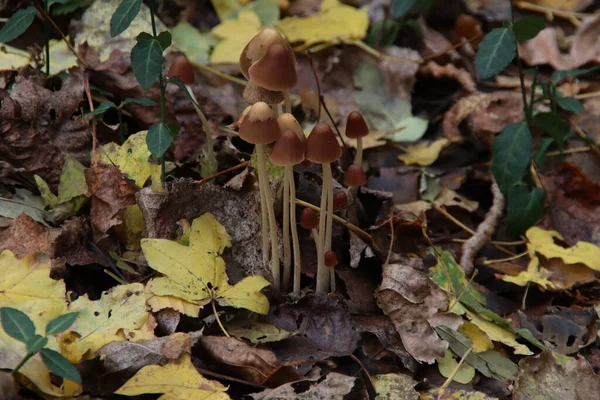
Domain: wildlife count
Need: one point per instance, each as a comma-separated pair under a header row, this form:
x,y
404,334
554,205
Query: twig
x,y
229,378
363,369
453,374
389,254
218,73
314,71
369,50
225,171
572,150
582,135
453,47
484,230
499,260
587,95
550,13
86,85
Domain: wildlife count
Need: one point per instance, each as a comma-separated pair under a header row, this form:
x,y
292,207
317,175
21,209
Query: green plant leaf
x,y
159,139
570,104
36,343
17,324
495,52
555,126
511,154
401,7
142,101
123,15
528,27
146,61
174,127
17,24
383,33
165,40
143,36
59,365
557,76
61,324
524,208
68,6
540,155
102,108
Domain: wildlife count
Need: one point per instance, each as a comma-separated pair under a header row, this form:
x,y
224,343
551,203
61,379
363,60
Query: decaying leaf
x,y
334,386
196,273
395,386
25,236
448,394
256,332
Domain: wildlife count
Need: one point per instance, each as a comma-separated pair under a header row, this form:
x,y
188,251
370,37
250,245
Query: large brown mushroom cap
x,y
276,70
322,146
288,150
254,94
288,121
182,69
355,176
356,127
257,47
259,126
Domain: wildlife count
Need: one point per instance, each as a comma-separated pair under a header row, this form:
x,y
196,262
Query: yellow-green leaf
x,y
448,364
234,35
423,153
50,199
481,341
582,252
72,181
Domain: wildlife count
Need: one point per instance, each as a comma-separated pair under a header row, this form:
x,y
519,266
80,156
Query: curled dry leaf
x,y
409,297
450,71
25,236
334,386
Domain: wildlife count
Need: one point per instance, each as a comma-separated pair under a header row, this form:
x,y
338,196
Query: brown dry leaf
x,y
548,377
410,298
25,236
544,48
408,235
450,71
111,193
334,386
8,388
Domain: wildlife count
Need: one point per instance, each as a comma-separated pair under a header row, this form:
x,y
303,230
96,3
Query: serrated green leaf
x,y
524,209
557,76
401,7
142,101
159,139
540,155
495,52
17,24
102,108
555,126
146,61
528,27
511,155
123,15
383,33
570,104
164,38
16,324
59,365
61,324
36,343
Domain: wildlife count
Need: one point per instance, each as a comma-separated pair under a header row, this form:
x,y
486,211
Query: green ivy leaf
x,y
554,125
570,104
142,101
557,76
143,36
36,343
17,24
61,324
59,365
528,27
383,33
524,209
102,108
158,139
174,127
123,15
16,324
164,38
146,61
401,7
511,154
540,156
495,52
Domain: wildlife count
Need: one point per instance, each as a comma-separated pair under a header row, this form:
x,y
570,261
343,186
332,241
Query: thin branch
x,y
86,85
225,171
453,374
218,73
550,13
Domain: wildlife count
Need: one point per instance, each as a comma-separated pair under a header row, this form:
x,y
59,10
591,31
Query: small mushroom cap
x,y
257,47
322,146
254,94
182,69
276,70
331,259
288,121
309,219
356,127
259,126
355,176
339,200
288,150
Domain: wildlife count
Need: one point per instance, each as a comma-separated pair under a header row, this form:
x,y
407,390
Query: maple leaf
x,y
178,380
196,273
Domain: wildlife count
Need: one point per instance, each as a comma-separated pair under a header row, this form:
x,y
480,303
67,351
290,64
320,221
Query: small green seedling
x,y
108,105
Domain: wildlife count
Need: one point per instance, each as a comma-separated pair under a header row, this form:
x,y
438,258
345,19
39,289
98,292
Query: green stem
x,y
121,127
526,108
23,361
47,35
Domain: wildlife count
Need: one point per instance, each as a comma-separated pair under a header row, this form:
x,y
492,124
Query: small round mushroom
x,y
331,259
181,68
323,148
260,128
288,151
356,128
339,200
355,176
309,219
257,47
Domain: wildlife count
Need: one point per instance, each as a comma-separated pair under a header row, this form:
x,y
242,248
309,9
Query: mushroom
x,y
260,128
288,151
355,176
356,128
323,148
182,69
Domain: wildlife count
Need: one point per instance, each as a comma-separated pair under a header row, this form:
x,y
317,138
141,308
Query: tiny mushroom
x,y
355,176
356,128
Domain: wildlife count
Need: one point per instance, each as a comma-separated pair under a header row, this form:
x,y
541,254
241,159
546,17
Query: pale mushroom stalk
x,y
287,256
287,101
322,272
295,242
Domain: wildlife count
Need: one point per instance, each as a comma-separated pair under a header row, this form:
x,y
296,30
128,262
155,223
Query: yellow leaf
x,y
178,380
196,273
481,341
448,364
235,33
132,159
423,153
120,314
130,231
583,252
534,273
61,58
334,23
26,285
158,303
12,58
498,334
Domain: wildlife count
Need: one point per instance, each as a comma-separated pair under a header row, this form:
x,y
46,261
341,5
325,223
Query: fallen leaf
x,y
13,58
178,380
196,273
450,71
566,5
433,394
25,236
119,315
130,231
256,332
481,341
395,386
543,243
333,386
448,364
158,303
62,57
334,23
234,35
423,154
499,334
193,43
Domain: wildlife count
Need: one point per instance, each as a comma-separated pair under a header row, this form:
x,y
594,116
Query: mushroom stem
x,y
287,256
324,239
210,153
329,227
294,226
359,152
287,101
264,183
264,224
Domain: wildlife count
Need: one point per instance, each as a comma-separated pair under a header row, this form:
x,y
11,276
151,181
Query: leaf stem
x,y
218,319
453,374
47,37
22,362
